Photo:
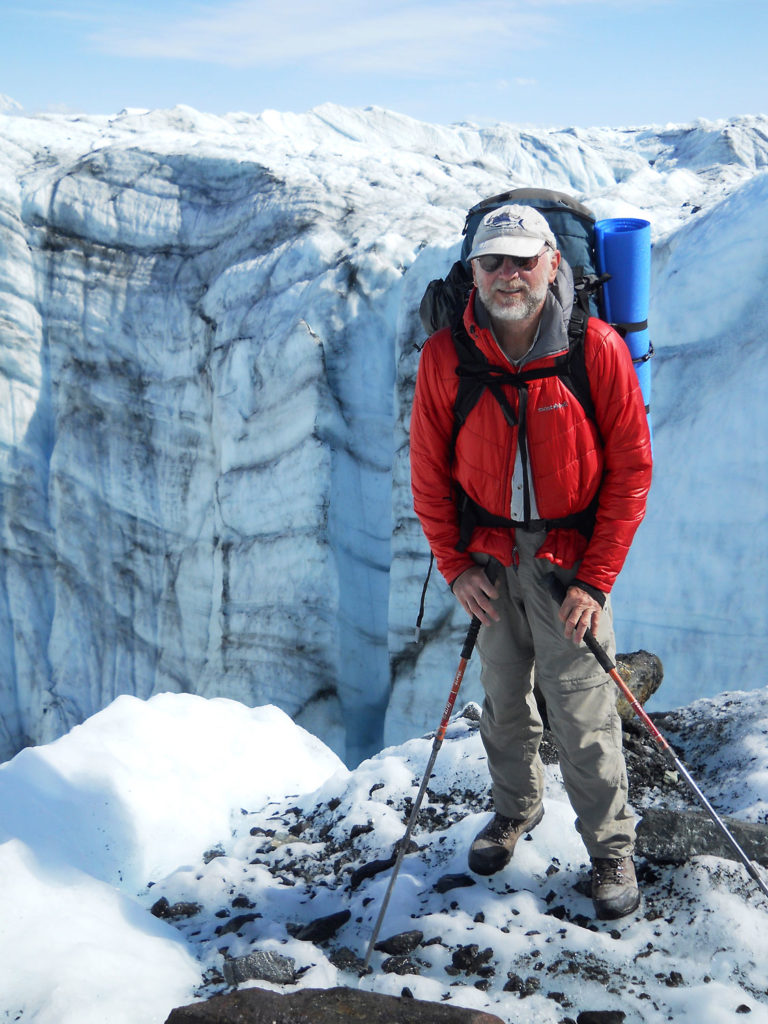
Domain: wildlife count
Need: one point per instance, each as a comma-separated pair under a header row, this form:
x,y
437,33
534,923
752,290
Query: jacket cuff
x,y
598,595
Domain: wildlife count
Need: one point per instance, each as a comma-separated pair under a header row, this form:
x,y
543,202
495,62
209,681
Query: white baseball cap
x,y
512,231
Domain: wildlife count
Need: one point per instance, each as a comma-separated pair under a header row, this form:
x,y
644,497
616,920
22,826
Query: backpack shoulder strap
x,y
575,376
475,374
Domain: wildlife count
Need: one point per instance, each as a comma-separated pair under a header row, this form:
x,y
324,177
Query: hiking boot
x,y
614,887
494,845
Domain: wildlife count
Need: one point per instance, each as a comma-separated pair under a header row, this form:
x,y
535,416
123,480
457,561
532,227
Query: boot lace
x,y
609,872
500,828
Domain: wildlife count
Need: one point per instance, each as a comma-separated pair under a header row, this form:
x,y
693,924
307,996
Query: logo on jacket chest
x,y
552,408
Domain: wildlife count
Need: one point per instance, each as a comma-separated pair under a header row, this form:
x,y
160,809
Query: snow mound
x,y
253,837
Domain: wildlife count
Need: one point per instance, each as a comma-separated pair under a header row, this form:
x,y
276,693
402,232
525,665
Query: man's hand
x,y
475,593
579,612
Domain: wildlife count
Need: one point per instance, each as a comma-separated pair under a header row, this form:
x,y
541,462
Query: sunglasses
x,y
491,263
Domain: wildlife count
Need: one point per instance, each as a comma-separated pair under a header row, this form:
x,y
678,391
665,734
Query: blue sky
x,y
537,62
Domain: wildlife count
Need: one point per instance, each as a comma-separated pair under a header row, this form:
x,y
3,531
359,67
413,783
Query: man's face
x,y
511,293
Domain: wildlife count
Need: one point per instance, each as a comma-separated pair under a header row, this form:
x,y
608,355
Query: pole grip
x,y
471,638
558,591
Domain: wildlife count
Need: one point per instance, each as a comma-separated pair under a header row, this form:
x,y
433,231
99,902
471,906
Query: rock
x,y
601,1017
360,830
345,960
400,965
447,882
523,986
375,867
470,959
321,929
676,836
243,903
324,1006
260,965
401,944
171,911
369,870
472,712
643,673
235,925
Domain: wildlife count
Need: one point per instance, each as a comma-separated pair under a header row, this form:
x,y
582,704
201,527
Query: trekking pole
x,y
558,592
466,654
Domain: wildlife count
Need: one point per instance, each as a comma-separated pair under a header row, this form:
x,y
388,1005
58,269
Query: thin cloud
x,y
408,36
505,84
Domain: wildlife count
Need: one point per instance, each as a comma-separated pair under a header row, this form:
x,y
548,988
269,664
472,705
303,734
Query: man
x,y
566,466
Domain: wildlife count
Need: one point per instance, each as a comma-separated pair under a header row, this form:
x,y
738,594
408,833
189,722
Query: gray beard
x,y
529,305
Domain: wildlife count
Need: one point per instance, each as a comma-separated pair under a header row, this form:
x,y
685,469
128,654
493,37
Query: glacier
x,y
209,336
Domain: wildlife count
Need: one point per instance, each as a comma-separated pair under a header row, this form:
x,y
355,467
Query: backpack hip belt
x,y
472,515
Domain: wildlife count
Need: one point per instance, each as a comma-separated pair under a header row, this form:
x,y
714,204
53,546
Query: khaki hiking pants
x,y
581,707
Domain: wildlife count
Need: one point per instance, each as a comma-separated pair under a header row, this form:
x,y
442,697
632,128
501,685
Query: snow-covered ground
x,y
208,331
257,825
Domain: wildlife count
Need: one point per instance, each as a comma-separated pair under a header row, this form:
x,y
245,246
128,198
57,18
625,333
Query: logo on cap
x,y
504,218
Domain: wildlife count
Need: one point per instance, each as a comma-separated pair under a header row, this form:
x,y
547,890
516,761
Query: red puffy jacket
x,y
572,457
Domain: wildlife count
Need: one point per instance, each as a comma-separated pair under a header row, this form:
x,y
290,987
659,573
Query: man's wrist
x,y
456,578
598,595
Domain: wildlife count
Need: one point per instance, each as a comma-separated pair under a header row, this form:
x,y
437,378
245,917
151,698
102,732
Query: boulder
x,y
643,673
323,1006
676,836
